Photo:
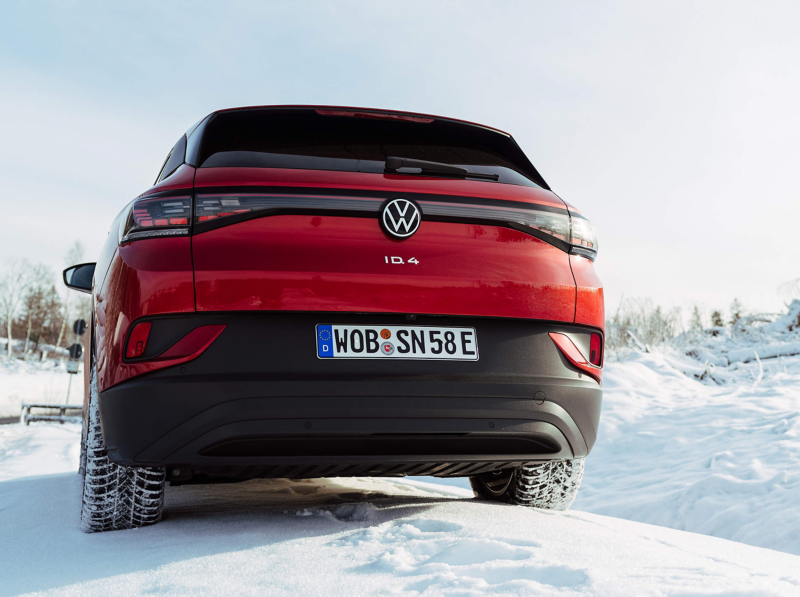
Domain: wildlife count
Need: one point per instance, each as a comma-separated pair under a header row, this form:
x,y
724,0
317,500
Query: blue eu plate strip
x,y
325,341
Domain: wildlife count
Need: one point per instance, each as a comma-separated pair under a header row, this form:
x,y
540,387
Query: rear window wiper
x,y
395,163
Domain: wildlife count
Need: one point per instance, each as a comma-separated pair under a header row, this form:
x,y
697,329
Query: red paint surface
x,y
325,263
182,178
146,277
589,305
336,264
395,183
575,356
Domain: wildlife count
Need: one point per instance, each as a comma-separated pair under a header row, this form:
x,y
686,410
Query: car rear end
x,y
271,308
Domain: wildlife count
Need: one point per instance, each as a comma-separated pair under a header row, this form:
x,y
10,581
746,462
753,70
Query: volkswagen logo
x,y
400,217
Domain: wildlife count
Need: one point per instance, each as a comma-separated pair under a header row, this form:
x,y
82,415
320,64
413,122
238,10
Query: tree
x,y
74,257
40,280
696,320
736,311
41,307
12,290
716,319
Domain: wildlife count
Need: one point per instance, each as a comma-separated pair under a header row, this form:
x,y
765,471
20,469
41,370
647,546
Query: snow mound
x,y
677,450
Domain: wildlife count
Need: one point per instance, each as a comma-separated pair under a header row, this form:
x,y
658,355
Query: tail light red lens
x,y
157,217
596,350
137,343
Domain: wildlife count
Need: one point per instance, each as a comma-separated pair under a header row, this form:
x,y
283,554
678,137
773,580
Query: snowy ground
x,y
719,460
715,457
707,443
345,537
22,381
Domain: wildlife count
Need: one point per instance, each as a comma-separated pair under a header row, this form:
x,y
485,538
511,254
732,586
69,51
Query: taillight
x,y
157,217
596,350
583,238
137,343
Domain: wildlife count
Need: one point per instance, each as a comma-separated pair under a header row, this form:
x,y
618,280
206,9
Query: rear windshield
x,y
318,140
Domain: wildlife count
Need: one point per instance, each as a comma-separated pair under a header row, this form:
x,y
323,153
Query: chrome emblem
x,y
400,218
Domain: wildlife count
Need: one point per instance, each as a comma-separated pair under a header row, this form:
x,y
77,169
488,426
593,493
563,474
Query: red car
x,y
325,292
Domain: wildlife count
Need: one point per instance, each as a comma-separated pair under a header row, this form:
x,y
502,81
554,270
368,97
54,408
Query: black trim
x,y
200,227
208,225
85,289
276,190
194,140
247,385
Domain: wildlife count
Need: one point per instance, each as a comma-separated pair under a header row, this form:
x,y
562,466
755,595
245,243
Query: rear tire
x,y
548,485
115,497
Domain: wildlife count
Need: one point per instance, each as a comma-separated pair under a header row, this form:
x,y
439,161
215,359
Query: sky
x,y
675,127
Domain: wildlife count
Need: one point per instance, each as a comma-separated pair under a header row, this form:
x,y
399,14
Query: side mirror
x,y
79,277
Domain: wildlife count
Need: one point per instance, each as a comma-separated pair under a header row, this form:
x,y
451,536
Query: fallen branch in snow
x,y
747,355
637,342
760,371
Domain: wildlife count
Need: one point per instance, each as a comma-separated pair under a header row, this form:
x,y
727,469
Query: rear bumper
x,y
258,403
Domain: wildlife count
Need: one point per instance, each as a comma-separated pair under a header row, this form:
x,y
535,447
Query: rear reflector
x,y
137,343
574,356
194,343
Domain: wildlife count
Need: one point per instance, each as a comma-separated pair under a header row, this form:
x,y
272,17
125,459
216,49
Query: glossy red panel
x,y
395,183
589,304
146,277
326,263
182,178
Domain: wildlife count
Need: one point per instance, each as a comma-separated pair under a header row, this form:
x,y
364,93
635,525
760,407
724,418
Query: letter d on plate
x,y
324,341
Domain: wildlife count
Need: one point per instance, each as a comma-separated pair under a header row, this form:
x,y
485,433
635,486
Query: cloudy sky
x,y
675,126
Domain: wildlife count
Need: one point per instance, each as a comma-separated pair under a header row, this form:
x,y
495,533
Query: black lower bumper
x,y
259,403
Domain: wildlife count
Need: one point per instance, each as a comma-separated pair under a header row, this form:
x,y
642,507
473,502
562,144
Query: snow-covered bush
x,y
637,323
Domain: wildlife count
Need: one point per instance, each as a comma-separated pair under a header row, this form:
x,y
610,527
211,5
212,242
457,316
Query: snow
x,y
691,454
693,488
27,381
345,537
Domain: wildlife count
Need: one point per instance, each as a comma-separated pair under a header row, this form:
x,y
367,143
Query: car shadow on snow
x,y
43,547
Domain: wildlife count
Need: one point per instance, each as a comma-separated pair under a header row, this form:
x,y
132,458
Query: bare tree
x,y
12,290
40,279
41,307
74,256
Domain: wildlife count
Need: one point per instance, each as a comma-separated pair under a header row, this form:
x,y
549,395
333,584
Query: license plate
x,y
396,342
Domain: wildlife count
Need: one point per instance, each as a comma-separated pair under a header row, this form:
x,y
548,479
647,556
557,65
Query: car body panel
x,y
182,178
328,263
589,303
145,278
